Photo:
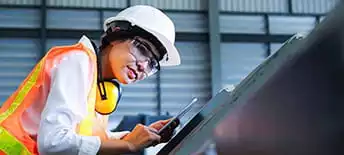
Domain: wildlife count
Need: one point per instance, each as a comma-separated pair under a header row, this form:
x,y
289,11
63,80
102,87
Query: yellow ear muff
x,y
113,95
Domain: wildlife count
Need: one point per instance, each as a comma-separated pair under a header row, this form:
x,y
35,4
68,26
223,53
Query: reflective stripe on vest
x,y
9,144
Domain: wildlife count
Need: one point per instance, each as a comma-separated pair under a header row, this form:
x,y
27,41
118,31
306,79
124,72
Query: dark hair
x,y
123,30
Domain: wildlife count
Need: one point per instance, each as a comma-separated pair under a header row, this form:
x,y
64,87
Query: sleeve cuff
x,y
117,135
89,145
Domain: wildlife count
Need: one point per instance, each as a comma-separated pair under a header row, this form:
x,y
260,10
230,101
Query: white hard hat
x,y
155,22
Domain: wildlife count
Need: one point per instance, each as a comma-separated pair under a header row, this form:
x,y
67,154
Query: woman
x,y
63,104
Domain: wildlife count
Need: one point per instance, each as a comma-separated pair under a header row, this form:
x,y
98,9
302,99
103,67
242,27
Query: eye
x,y
144,48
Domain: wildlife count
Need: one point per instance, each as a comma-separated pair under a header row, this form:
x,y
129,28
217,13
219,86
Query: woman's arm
x,y
65,107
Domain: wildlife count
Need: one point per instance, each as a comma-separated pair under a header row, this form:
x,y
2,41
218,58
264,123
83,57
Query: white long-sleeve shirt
x,y
54,121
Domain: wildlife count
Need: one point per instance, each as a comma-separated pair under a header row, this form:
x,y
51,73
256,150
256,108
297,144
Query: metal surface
x,y
290,104
177,142
214,44
223,103
299,109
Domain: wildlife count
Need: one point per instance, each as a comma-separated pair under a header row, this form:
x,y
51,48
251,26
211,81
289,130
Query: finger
x,y
138,127
157,126
153,133
153,130
164,122
155,139
167,120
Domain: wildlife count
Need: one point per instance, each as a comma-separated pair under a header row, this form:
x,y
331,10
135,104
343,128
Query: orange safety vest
x,y
13,138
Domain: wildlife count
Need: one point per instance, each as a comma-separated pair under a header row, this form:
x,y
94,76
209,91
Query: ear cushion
x,y
113,94
119,87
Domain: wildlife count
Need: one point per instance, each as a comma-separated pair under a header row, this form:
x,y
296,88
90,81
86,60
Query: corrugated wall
x,y
179,84
313,6
17,57
242,24
290,24
174,4
88,3
238,60
254,5
280,6
21,2
196,22
13,18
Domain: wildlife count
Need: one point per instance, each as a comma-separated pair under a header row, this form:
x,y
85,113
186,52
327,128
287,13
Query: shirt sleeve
x,y
117,135
65,107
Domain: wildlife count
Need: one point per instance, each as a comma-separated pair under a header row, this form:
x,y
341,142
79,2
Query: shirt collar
x,y
87,43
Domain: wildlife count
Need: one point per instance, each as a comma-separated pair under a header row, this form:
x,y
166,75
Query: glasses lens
x,y
145,50
143,53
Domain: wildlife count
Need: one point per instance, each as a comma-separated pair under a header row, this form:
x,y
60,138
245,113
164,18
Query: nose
x,y
142,66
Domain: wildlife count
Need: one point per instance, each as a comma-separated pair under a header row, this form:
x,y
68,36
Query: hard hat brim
x,y
172,52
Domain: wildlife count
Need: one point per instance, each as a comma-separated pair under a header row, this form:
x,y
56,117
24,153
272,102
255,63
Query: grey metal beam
x,y
317,20
267,31
256,38
171,10
43,28
180,36
214,44
290,6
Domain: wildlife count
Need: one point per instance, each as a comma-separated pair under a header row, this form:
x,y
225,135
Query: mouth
x,y
132,74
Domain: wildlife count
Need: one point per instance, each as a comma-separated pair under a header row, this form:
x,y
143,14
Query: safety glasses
x,y
143,52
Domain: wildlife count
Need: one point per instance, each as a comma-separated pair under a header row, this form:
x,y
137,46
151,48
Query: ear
x,y
119,87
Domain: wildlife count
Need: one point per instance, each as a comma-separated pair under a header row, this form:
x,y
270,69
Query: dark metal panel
x,y
250,24
291,24
88,3
21,2
174,4
189,22
313,6
190,79
17,57
14,18
196,21
73,19
254,5
238,60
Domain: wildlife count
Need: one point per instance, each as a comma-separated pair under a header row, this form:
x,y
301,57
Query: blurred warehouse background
x,y
220,41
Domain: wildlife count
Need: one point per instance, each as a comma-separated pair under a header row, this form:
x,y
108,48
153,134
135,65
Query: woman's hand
x,y
168,134
142,137
159,124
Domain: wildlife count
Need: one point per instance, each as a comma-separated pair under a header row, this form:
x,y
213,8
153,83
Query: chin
x,y
125,80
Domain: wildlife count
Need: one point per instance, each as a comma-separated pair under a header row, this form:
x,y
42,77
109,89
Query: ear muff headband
x,y
109,91
113,96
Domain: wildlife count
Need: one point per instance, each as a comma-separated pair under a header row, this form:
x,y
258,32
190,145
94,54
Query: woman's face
x,y
127,62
